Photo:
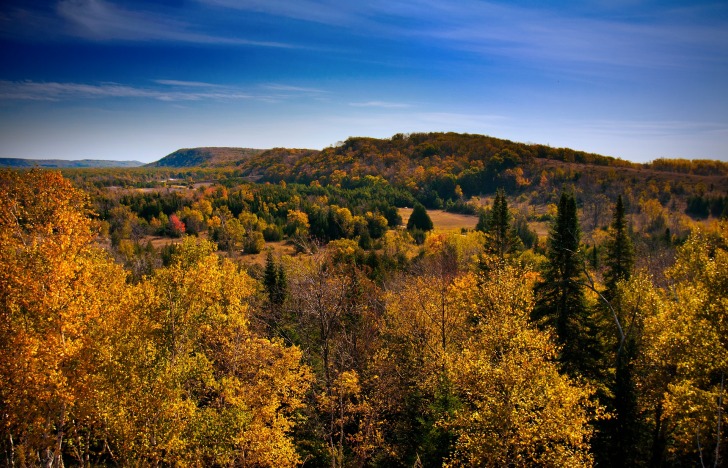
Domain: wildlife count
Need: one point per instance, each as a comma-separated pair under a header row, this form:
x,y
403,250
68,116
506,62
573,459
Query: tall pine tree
x,y
560,296
620,252
619,264
501,237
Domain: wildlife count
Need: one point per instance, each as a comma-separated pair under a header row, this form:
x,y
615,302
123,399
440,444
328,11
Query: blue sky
x,y
107,79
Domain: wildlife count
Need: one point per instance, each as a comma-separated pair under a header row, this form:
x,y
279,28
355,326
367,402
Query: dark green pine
x,y
560,301
620,252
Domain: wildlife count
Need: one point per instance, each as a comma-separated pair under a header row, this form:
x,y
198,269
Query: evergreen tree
x,y
501,236
274,280
560,297
619,263
626,424
419,219
620,252
281,285
483,220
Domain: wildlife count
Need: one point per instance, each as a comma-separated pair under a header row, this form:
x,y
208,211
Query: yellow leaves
x,y
683,341
55,290
298,224
214,369
165,371
517,408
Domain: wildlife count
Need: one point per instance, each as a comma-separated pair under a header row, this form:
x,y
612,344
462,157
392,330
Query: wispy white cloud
x,y
641,128
193,84
167,90
381,104
55,91
541,36
329,12
102,20
289,88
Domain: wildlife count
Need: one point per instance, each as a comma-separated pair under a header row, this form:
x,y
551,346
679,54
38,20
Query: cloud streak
x,y
55,91
169,90
541,36
380,104
103,21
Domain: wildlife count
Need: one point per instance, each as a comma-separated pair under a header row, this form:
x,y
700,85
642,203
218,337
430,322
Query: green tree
x,y
620,252
501,239
619,264
419,219
560,296
274,280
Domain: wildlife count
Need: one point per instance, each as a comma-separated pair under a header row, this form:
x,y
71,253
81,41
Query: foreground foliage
x,y
372,347
95,370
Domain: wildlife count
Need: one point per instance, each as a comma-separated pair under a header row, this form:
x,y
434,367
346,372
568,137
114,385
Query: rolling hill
x,y
205,157
65,164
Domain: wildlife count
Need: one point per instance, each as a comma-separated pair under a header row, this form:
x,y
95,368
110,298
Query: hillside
x,y
433,165
61,163
205,157
397,157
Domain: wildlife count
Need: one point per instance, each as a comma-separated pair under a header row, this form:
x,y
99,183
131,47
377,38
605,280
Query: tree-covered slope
x,y
205,157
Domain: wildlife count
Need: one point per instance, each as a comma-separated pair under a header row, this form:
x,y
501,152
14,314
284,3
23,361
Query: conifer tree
x,y
619,262
620,252
274,280
501,237
483,220
419,219
560,297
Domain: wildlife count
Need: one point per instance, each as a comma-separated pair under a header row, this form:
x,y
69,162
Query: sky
x,y
136,80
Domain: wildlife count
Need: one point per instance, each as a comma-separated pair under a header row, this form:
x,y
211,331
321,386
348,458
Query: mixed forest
x,y
288,307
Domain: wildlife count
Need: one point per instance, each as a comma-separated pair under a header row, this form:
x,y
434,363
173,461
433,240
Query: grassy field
x,y
443,220
280,248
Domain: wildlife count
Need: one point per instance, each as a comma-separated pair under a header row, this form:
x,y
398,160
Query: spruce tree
x,y
501,236
419,219
560,297
483,220
620,252
274,280
619,263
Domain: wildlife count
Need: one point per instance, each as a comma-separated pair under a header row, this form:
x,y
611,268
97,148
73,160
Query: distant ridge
x,y
65,164
205,157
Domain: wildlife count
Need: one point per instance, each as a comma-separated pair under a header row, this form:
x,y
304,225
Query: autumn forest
x,y
431,299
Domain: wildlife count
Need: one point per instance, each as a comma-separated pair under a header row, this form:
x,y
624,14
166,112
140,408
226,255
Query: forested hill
x,y
205,157
61,163
437,167
461,155
451,153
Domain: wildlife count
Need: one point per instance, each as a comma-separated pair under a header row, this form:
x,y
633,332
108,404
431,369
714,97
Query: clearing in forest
x,y
443,220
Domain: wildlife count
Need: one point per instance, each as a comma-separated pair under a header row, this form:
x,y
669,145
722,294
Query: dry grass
x,y
280,249
443,220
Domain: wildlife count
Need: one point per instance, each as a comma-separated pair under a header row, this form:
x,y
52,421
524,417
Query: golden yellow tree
x,y
516,409
164,371
54,292
189,383
460,351
682,371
